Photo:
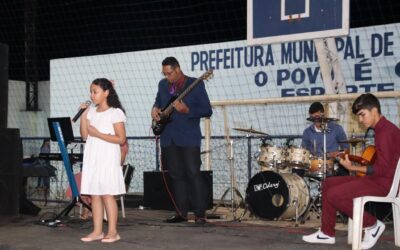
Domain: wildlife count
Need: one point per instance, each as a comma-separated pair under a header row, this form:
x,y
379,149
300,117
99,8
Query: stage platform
x,y
145,229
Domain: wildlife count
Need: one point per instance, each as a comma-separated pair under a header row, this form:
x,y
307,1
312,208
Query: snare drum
x,y
271,157
298,157
272,195
317,167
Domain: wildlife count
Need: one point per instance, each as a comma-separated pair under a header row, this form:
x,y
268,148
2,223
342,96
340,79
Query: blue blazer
x,y
184,129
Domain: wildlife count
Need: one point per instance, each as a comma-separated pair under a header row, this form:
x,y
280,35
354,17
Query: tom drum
x,y
271,157
298,157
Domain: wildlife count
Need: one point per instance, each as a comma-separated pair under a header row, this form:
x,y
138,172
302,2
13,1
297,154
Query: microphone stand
x,y
312,205
324,127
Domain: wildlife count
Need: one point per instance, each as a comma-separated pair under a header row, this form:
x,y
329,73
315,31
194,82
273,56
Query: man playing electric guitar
x,y
338,192
181,139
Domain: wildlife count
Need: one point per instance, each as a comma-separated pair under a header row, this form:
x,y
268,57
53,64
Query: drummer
x,y
313,136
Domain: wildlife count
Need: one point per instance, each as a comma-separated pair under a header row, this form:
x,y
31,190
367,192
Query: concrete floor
x,y
145,229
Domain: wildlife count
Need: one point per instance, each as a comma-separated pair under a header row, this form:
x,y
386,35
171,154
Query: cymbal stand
x,y
249,136
232,187
232,169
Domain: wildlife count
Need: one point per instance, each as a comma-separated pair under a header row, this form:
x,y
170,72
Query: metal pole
x,y
232,179
249,157
324,128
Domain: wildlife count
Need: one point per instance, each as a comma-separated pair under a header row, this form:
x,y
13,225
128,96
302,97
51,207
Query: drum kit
x,y
289,183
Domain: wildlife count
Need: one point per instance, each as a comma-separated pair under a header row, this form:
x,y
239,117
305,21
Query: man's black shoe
x,y
175,219
200,221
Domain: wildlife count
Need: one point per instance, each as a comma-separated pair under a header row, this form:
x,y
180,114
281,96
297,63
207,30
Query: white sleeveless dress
x,y
101,171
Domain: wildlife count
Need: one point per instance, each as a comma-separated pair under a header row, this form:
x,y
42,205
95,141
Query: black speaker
x,y
3,85
10,171
156,196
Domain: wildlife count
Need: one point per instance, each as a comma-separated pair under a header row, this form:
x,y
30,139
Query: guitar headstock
x,y
207,75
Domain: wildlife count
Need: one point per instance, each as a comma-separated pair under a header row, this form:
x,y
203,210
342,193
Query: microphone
x,y
80,112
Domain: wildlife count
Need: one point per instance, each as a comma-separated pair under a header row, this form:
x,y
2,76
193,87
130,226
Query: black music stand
x,y
66,128
61,131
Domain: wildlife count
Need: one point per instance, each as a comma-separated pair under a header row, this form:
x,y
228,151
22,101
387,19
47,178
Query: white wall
x,y
31,124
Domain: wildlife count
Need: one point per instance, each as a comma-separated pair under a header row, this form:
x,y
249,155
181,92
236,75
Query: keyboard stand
x,y
68,168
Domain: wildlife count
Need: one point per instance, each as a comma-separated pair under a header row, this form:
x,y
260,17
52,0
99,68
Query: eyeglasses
x,y
166,74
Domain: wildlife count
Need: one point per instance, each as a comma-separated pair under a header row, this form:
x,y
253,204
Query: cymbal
x,y
354,140
250,130
322,119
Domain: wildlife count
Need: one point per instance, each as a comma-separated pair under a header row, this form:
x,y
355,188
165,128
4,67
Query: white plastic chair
x,y
127,178
355,224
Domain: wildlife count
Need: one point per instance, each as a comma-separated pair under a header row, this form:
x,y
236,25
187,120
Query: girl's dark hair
x,y
366,101
112,98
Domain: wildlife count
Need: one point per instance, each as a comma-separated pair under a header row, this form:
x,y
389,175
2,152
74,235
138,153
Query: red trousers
x,y
338,193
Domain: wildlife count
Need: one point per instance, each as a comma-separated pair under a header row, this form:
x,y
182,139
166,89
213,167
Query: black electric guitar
x,y
158,126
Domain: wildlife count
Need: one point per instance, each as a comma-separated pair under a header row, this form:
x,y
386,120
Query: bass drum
x,y
274,196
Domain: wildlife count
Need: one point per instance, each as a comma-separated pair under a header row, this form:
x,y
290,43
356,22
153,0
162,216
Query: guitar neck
x,y
355,158
358,159
168,110
188,89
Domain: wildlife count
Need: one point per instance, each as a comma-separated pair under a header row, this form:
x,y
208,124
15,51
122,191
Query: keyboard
x,y
57,157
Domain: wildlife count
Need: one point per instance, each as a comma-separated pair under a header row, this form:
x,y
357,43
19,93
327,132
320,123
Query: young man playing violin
x,y
338,192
